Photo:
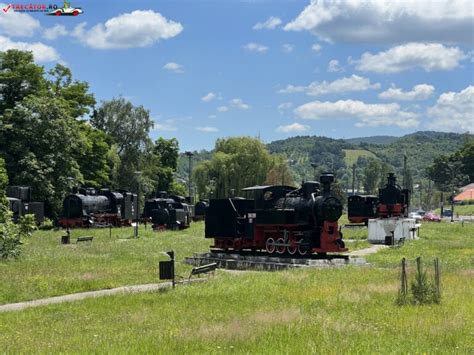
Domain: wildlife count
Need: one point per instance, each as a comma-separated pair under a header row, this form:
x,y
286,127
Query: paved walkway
x,y
370,250
83,295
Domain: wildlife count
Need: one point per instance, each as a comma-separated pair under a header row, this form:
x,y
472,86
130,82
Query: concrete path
x,y
370,250
83,295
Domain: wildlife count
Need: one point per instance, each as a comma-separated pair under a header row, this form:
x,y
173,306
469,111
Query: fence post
x,y
437,280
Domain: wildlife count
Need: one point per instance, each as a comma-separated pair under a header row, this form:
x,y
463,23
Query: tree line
x,y
54,136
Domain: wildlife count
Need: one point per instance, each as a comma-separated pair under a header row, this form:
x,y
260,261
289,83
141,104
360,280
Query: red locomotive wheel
x,y
292,249
280,249
270,245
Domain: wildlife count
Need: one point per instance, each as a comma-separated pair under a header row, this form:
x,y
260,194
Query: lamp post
x,y
137,175
189,155
314,165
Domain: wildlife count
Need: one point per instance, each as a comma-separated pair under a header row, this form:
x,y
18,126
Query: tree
x,y
128,125
19,77
447,173
167,152
75,93
238,162
3,185
279,173
371,176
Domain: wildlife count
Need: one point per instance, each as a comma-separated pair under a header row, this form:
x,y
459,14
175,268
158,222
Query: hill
x,y
372,140
338,155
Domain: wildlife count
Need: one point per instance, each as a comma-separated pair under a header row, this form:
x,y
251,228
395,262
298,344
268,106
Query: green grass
x,y
47,268
353,154
346,310
466,210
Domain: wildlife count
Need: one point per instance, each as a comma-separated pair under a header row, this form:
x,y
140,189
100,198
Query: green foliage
x,y
167,151
3,185
19,77
371,176
41,148
238,162
12,235
47,224
279,172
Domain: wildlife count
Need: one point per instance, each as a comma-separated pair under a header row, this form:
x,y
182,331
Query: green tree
x,y
19,77
238,162
371,176
279,172
40,148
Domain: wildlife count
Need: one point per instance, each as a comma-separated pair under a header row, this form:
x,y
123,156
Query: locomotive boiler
x,y
278,220
88,207
170,212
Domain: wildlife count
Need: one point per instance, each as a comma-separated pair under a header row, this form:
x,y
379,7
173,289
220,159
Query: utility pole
x,y
314,165
421,191
137,174
189,155
353,178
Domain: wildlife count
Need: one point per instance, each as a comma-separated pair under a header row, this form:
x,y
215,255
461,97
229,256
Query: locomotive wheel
x,y
302,250
270,245
280,249
292,249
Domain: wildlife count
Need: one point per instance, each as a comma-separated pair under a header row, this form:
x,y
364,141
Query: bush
x,y
47,224
11,235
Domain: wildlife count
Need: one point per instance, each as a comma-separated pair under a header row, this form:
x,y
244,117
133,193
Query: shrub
x,y
11,235
47,224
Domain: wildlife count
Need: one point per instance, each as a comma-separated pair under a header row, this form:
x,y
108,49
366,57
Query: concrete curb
x,y
11,307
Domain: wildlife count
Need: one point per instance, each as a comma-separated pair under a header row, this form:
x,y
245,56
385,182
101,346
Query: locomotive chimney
x,y
326,180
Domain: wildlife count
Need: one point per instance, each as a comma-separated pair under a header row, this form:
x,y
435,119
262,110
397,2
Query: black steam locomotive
x,y
168,212
200,210
392,201
280,219
20,204
89,206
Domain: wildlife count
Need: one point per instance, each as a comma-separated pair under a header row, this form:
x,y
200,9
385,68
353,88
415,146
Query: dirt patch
x,y
244,328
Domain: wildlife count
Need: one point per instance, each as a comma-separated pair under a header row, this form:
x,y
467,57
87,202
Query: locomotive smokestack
x,y
326,180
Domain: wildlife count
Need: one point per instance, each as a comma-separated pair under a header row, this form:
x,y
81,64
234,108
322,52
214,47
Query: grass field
x,y
353,154
466,210
346,310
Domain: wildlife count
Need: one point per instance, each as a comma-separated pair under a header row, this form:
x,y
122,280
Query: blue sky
x,y
209,69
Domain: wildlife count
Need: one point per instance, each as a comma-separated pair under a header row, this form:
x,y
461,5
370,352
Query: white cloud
x,y
209,97
140,28
207,129
54,32
239,104
316,48
255,47
293,128
346,84
419,92
270,24
222,109
17,24
366,114
446,21
174,67
334,66
212,116
284,106
166,127
287,48
454,111
41,52
428,56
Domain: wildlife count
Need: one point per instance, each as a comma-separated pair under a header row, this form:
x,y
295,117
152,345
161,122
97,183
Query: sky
x,y
268,69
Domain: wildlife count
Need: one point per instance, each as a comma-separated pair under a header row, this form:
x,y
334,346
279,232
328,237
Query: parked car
x,y
415,216
447,213
421,212
431,217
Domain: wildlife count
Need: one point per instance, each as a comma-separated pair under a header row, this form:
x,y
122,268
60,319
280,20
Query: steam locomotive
x,y
170,212
278,220
20,204
89,206
392,201
200,210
